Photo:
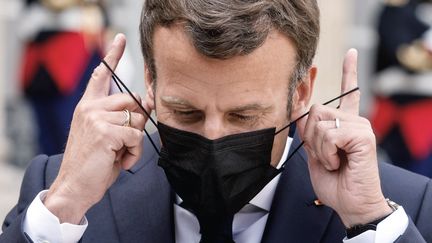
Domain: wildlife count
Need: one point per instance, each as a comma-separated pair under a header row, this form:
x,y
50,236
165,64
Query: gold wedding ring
x,y
337,123
127,122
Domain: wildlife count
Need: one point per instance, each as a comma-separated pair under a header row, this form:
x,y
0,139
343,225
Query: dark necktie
x,y
214,228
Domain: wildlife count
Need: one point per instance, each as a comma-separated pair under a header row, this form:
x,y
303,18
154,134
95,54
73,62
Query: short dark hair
x,y
226,28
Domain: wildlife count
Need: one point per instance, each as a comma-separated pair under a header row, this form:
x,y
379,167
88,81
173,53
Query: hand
x,y
342,161
99,145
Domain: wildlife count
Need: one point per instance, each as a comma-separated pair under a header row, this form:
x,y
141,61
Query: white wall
x,y
335,23
2,82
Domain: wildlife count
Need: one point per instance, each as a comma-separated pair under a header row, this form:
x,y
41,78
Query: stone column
x,y
3,147
335,24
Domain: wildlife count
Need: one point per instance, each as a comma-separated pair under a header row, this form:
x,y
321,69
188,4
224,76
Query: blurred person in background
x,y
64,43
402,114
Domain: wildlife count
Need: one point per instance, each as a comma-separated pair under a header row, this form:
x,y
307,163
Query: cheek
x,y
278,148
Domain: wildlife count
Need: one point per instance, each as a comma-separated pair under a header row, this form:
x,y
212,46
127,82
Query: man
x,y
224,78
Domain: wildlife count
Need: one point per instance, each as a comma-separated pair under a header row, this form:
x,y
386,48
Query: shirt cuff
x,y
387,231
43,226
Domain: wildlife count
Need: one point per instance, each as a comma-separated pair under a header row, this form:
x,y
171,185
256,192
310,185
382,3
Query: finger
x,y
131,156
118,102
314,128
147,110
99,84
324,113
322,130
119,118
127,143
301,125
325,141
351,102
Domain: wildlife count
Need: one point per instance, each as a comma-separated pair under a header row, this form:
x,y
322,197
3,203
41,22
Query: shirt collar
x,y
264,198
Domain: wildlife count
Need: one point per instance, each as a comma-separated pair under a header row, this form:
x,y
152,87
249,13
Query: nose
x,y
214,128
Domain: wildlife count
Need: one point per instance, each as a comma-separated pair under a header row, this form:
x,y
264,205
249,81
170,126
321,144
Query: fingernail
x,y
354,51
117,39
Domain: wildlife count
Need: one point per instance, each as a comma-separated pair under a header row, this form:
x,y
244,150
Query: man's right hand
x,y
99,145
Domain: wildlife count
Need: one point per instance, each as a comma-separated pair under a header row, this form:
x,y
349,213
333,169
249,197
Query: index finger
x,y
350,103
99,84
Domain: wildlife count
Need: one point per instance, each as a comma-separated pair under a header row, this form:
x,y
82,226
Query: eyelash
x,y
243,117
184,113
194,115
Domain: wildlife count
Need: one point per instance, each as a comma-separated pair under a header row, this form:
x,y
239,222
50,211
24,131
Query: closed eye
x,y
188,116
243,118
185,113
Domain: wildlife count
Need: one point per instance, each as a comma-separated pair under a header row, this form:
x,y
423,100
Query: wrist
x,y
366,214
66,206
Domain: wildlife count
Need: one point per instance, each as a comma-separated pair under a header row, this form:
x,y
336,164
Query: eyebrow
x,y
251,107
171,100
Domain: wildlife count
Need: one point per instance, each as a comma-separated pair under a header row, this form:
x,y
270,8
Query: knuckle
x,y
101,129
113,145
316,110
101,135
371,139
137,96
138,135
307,145
320,127
97,72
82,107
328,138
92,118
365,121
81,110
140,118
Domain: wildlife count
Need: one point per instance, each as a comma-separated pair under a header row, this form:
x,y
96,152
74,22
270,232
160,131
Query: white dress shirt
x,y
248,225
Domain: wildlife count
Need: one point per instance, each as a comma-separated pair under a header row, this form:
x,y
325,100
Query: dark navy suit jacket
x,y
139,206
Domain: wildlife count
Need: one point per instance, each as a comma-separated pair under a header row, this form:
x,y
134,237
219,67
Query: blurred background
x,y
48,49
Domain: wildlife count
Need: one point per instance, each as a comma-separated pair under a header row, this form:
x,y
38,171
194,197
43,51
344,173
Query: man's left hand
x,y
342,155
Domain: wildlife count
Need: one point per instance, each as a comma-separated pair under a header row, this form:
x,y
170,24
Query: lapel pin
x,y
318,203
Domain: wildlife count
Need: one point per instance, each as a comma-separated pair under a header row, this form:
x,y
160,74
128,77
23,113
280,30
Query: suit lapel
x,y
293,216
141,201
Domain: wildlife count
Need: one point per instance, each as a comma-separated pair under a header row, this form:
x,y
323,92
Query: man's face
x,y
216,98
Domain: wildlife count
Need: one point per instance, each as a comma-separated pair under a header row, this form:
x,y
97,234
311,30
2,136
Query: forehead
x,y
175,46
184,71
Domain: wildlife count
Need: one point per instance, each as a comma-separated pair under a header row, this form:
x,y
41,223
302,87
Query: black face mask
x,y
216,178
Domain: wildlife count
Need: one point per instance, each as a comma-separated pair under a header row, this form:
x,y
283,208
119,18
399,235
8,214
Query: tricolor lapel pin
x,y
318,203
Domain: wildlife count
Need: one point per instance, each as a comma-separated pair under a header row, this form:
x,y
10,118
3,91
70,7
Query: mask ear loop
x,y
118,82
304,115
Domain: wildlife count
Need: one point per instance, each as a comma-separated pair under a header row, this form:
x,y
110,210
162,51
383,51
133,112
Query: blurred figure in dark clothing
x,y
402,116
64,43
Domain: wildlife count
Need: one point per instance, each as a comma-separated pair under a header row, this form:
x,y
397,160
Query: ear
x,y
149,83
303,93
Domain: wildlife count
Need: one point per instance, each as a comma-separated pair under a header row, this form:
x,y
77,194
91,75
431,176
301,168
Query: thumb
x,y
99,84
